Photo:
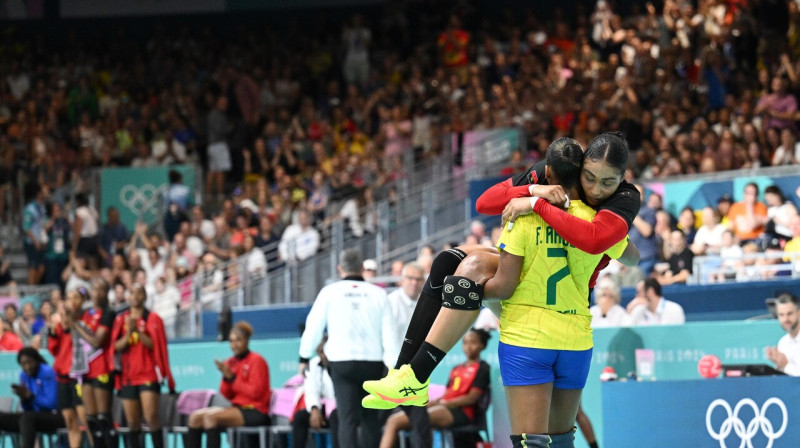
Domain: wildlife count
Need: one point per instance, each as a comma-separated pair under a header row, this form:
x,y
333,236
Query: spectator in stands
x,y
86,229
138,336
369,269
299,241
6,281
680,261
643,236
177,201
724,204
459,405
33,223
708,239
114,235
403,300
23,325
256,261
245,382
778,107
357,39
779,212
218,131
607,312
792,247
59,244
653,309
453,44
786,355
165,301
748,217
315,403
212,282
625,276
76,274
788,152
40,326
686,224
36,391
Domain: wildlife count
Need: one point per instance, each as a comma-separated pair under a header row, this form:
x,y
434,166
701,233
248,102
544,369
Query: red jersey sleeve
x,y
595,237
494,200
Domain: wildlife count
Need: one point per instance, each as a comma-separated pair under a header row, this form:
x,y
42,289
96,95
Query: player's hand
x,y
777,357
516,207
554,194
316,421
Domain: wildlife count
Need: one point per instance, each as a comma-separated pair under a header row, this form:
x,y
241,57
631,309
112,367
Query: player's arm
x,y
630,256
506,280
493,200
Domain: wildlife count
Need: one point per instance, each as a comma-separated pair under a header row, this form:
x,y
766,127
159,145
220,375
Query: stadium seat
x,y
188,401
480,426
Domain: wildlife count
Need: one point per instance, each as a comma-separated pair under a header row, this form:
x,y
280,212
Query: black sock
x,y
594,445
193,438
157,437
109,434
135,439
422,319
93,425
429,304
213,437
426,360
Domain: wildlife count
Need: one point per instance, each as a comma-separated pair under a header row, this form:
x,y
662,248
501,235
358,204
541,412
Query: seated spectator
x,y
708,239
36,391
747,267
792,247
59,244
256,261
299,241
114,235
212,279
724,204
245,382
779,212
642,234
10,315
6,281
9,341
680,261
369,269
86,228
165,301
786,355
655,309
76,274
468,382
625,276
315,403
686,224
23,325
607,312
748,217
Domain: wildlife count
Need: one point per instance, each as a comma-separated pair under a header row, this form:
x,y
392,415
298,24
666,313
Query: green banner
x,y
137,192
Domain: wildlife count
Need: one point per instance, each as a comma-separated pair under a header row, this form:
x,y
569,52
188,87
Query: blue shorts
x,y
523,366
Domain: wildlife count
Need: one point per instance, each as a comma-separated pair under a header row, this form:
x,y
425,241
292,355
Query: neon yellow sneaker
x,y
400,387
375,402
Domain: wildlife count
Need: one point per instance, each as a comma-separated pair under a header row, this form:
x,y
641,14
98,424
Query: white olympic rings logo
x,y
746,433
140,199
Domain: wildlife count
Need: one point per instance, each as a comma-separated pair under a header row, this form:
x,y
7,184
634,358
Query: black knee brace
x,y
461,293
93,424
530,440
444,264
109,434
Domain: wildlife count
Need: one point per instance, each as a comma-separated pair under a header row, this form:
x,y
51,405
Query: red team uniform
x,y
249,389
59,343
101,364
142,367
463,378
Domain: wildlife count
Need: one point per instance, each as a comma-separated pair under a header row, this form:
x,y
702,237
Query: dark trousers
x,y
347,377
27,424
301,425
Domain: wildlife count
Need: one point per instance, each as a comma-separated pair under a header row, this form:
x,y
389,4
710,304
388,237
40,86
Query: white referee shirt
x,y
402,307
359,322
790,346
667,313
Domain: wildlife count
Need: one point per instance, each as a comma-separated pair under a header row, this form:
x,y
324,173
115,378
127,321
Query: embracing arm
x,y
595,237
630,256
493,200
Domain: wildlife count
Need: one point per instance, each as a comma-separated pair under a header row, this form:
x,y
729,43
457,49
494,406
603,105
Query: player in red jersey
x,y
69,364
138,337
468,382
245,382
95,328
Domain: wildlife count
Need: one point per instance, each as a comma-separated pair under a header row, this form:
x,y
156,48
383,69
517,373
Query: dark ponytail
x,y
564,157
611,148
483,336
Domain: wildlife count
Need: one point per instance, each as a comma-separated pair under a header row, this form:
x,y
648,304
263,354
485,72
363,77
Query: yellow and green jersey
x,y
549,307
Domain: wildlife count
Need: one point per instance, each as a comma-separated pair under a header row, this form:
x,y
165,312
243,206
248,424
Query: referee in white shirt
x,y
362,341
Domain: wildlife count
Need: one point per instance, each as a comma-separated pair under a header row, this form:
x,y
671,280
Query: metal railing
x,y
747,268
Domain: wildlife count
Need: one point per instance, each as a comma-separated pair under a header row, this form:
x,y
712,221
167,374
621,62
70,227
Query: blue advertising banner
x,y
754,412
677,349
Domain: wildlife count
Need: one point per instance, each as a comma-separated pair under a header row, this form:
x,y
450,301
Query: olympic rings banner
x,y
755,412
137,192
